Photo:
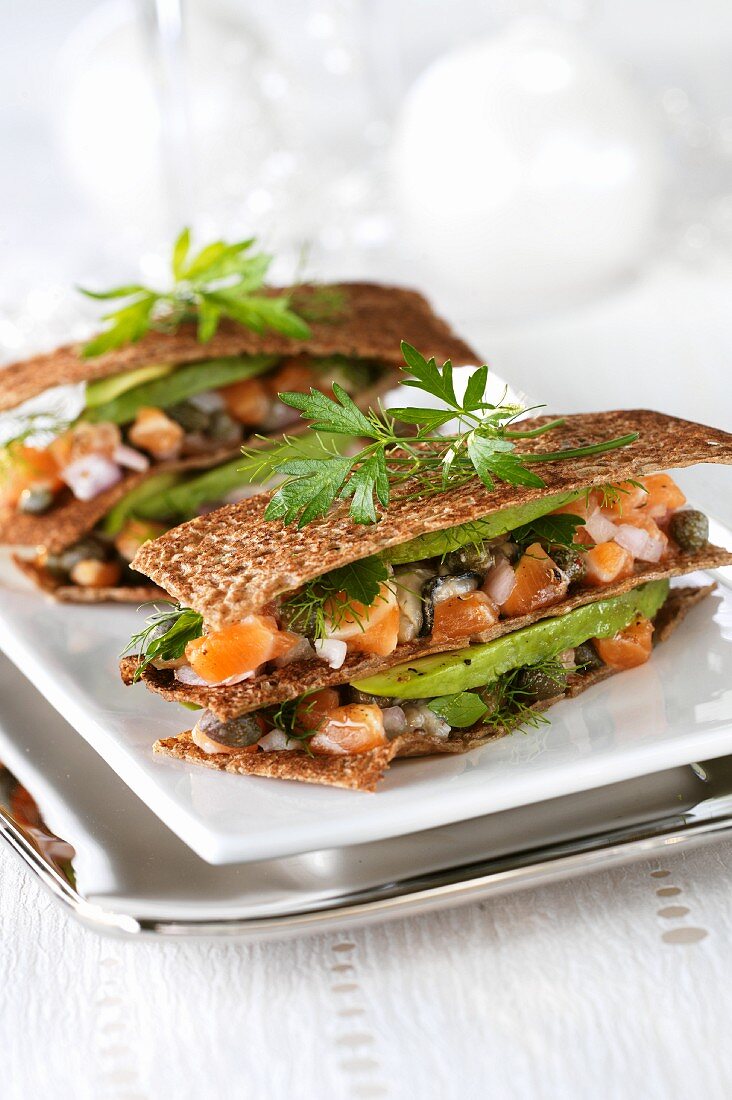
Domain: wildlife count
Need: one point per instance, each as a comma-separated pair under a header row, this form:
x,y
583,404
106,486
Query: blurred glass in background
x,y
557,174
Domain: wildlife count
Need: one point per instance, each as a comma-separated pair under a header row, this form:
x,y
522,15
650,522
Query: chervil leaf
x,y
425,418
429,377
208,319
461,710
360,580
558,530
424,461
475,390
371,478
342,417
180,253
312,486
222,280
117,292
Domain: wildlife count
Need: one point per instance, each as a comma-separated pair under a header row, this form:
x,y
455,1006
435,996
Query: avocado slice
x,y
181,384
478,665
438,543
178,496
107,389
133,503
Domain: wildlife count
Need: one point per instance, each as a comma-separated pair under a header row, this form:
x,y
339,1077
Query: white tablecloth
x,y
615,986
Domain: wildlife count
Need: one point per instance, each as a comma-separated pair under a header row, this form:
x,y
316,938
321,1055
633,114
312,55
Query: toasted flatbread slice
x,y
363,772
370,325
231,563
279,685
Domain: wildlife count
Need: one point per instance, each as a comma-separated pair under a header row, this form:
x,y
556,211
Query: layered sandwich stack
x,y
322,651
159,435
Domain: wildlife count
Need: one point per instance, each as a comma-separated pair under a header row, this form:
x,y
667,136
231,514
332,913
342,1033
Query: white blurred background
x,y
556,175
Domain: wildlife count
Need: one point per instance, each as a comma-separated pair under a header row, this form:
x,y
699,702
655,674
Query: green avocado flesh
x,y
478,665
134,503
438,543
178,497
182,383
107,389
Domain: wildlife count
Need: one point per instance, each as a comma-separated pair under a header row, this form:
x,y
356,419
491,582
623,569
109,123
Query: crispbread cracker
x,y
295,679
363,772
374,320
231,563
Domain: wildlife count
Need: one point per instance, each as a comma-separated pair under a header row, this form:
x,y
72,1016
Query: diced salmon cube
x,y
248,402
355,728
663,496
539,583
628,648
607,562
463,616
239,648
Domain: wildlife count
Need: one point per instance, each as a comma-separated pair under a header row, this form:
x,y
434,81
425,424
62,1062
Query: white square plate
x,y
674,710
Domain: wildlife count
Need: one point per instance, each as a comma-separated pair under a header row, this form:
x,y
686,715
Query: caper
x,y
89,549
474,557
540,683
237,733
586,657
492,696
189,416
690,529
223,428
570,561
35,500
383,701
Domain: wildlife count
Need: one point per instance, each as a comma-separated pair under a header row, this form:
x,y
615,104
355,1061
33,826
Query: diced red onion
x,y
209,401
90,475
600,528
331,650
639,543
277,741
301,651
129,457
395,721
500,582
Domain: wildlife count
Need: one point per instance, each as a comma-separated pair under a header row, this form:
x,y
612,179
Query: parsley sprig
x,y
222,280
485,445
165,635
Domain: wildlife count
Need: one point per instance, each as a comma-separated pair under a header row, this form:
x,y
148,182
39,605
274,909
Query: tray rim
x,y
447,886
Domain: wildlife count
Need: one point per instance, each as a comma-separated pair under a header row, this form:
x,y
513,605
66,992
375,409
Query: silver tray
x,y
106,856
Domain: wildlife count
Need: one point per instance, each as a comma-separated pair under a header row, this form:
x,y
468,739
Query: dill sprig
x,y
322,605
611,494
222,280
421,459
165,635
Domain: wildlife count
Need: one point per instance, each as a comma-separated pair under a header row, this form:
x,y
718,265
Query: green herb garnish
x,y
551,531
357,585
221,280
461,710
165,635
431,463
